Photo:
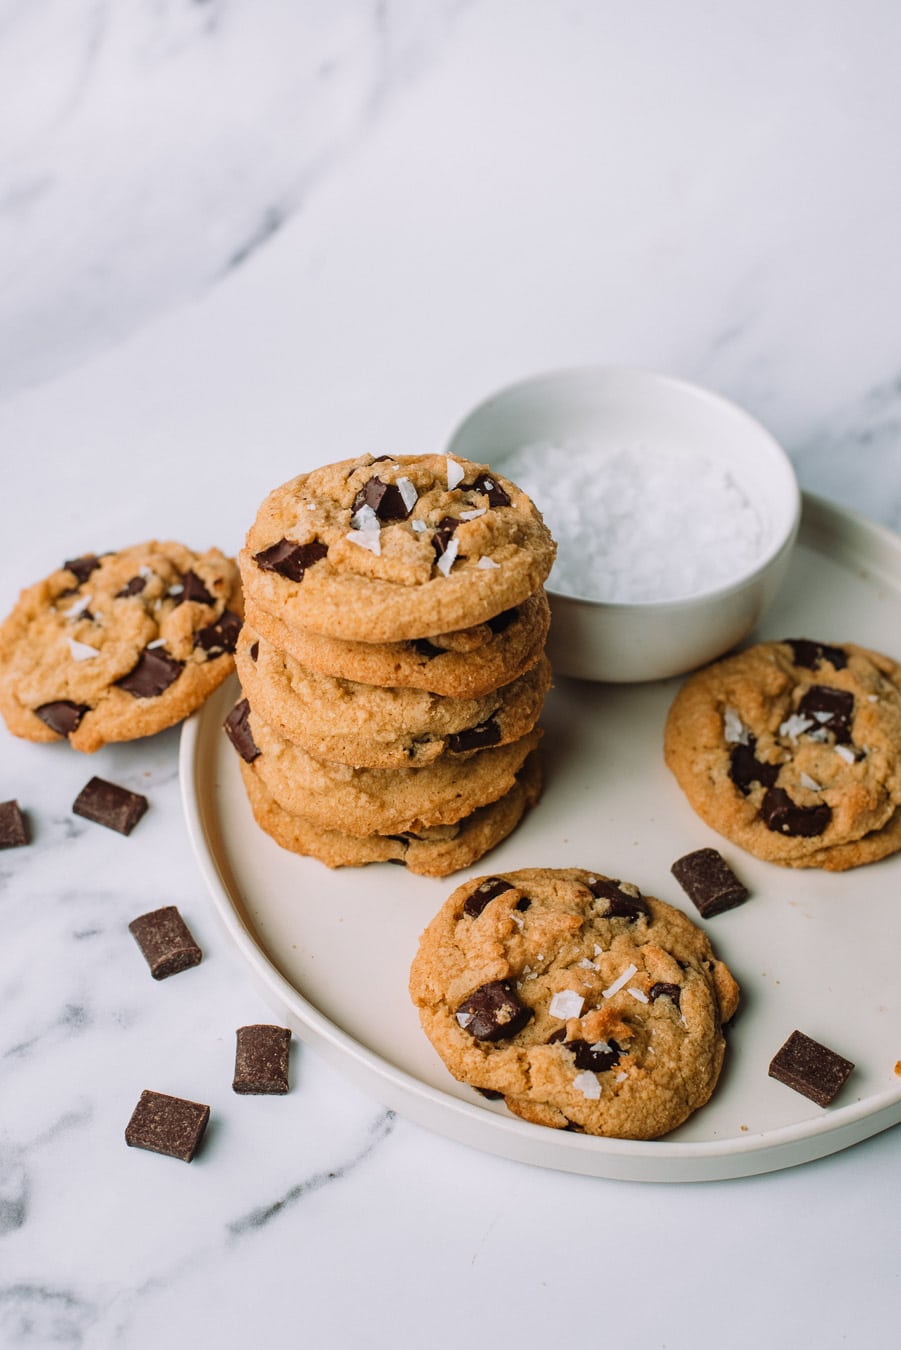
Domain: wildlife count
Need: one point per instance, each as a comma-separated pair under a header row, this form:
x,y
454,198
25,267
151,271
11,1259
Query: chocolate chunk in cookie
x,y
152,675
812,655
493,1012
780,814
237,729
484,893
291,560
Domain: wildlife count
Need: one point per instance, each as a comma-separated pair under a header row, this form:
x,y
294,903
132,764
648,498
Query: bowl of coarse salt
x,y
674,512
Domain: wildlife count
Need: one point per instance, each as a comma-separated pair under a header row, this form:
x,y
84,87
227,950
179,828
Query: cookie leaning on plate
x,y
584,1003
793,751
396,548
118,646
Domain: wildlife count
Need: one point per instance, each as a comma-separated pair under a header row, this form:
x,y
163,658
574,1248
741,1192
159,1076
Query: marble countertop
x,y
240,239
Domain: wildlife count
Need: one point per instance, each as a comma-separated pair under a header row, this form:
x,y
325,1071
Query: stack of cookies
x,y
392,661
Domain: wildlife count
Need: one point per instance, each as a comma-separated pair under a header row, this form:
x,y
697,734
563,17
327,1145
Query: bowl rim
x,y
790,488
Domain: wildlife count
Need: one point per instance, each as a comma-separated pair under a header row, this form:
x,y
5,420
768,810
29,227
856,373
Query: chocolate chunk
x,y
261,1059
166,941
810,1068
475,738
490,488
781,815
63,716
490,1094
588,1056
523,903
83,566
133,587
289,559
745,769
811,655
384,498
237,729
475,903
13,832
830,708
709,882
663,990
195,590
169,1125
620,904
108,804
501,622
443,533
153,674
254,651
221,636
493,1012
426,649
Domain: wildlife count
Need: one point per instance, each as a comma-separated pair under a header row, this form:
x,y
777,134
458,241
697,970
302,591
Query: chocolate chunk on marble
x,y
475,738
62,716
166,942
783,816
170,1125
475,903
108,804
261,1060
290,560
709,882
811,655
829,708
237,729
221,636
153,674
810,1068
493,1012
13,830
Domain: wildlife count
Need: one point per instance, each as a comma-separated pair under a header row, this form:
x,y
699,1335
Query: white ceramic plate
x,y
331,951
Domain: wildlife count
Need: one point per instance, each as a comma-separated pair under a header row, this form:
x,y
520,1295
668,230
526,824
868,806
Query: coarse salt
x,y
446,561
734,730
454,473
80,651
486,563
588,1085
567,1003
846,753
618,983
636,523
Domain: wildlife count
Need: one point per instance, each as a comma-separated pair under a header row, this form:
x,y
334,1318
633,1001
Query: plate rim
x,y
655,1160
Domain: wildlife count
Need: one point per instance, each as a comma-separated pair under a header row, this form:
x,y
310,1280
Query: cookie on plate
x,y
364,801
582,1002
466,664
793,751
388,549
120,645
433,852
369,726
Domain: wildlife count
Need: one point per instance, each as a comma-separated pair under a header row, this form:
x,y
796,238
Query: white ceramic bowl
x,y
611,408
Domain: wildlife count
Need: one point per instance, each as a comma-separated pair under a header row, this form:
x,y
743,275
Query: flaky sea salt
x,y
567,1003
81,651
636,523
454,473
588,1085
621,980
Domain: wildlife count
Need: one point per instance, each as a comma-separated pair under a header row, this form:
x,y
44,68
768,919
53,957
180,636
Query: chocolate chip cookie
x,y
466,664
394,548
584,1003
432,852
114,646
363,801
373,727
793,750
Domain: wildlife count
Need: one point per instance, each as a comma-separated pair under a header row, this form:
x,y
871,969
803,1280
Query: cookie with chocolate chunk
x,y
363,801
395,548
432,852
114,646
373,727
584,1003
464,664
793,751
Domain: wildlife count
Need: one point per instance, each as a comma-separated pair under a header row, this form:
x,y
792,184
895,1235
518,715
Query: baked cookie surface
x,y
374,727
584,1003
388,549
364,801
434,852
466,664
793,751
117,646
